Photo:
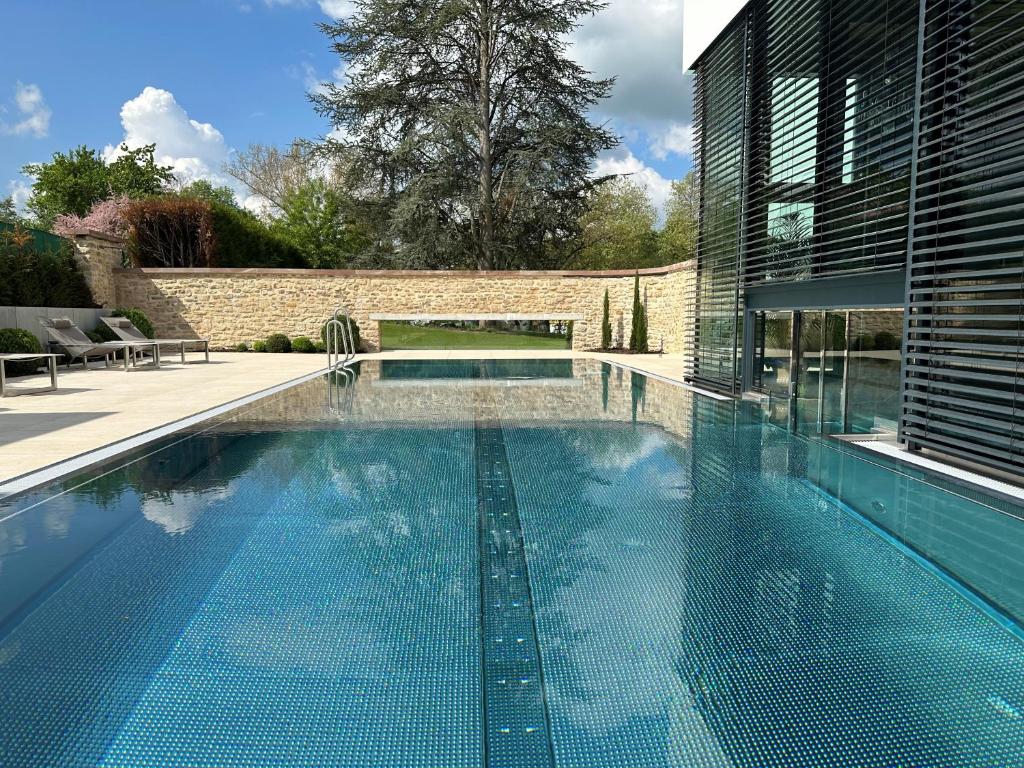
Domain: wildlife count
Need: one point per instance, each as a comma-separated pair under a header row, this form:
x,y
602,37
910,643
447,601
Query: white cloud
x,y
34,113
194,150
639,42
337,9
623,162
20,190
676,139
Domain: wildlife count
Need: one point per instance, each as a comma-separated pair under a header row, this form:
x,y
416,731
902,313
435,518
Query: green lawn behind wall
x,y
405,336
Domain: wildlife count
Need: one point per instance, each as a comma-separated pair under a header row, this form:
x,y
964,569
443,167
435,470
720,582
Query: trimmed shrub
x,y
138,318
303,344
32,275
243,347
259,346
355,336
20,341
864,343
278,342
886,340
320,346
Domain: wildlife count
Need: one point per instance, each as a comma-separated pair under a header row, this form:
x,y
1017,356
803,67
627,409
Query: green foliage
x,y
638,332
259,346
617,230
241,347
863,343
278,342
138,319
468,126
8,211
303,344
242,240
886,340
35,277
73,183
20,341
201,189
355,335
570,330
606,324
177,231
317,221
678,239
135,173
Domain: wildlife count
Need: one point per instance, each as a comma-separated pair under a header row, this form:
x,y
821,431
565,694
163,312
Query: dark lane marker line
x,y
516,722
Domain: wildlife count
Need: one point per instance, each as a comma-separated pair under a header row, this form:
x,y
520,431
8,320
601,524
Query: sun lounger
x,y
126,331
75,344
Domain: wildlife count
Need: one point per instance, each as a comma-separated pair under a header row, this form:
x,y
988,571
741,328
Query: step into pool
x,y
477,563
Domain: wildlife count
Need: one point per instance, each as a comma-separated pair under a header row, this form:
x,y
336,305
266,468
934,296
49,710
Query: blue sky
x,y
203,78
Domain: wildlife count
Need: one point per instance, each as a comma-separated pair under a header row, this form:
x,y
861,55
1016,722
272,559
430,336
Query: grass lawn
x,y
404,336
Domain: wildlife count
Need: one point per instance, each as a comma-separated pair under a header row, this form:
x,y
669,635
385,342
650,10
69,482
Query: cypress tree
x,y
638,330
606,325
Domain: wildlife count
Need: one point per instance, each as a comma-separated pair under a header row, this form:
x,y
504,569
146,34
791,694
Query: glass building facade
x,y
861,249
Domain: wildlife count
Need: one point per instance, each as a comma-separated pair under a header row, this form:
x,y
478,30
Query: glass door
x,y
772,361
833,374
820,403
809,364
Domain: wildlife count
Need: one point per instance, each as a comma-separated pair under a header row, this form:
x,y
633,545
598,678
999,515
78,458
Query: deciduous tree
x,y
73,183
678,239
315,220
617,230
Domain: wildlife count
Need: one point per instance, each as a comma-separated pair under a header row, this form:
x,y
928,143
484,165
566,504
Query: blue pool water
x,y
483,565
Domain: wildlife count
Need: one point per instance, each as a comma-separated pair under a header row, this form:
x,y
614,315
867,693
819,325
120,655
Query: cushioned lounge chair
x,y
126,331
70,339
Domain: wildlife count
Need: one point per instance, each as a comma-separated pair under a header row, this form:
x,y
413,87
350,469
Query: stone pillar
x,y
98,255
369,333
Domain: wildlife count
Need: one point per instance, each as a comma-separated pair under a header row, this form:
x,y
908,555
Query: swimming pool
x,y
484,564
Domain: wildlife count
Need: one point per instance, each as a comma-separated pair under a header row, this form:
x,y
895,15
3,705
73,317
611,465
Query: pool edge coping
x,y
50,473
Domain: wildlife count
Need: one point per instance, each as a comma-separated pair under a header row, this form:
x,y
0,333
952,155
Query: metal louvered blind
x,y
719,111
964,378
831,139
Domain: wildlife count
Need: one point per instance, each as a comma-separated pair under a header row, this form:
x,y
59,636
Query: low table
x,y
51,361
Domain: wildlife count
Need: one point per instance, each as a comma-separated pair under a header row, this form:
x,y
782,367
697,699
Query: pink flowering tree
x,y
106,216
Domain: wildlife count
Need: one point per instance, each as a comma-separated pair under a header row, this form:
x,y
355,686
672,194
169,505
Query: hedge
x,y
31,276
189,232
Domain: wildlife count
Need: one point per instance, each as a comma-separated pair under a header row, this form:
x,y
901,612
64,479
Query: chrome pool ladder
x,y
341,348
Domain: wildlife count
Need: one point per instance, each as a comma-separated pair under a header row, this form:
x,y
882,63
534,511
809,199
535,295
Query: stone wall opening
x,y
552,331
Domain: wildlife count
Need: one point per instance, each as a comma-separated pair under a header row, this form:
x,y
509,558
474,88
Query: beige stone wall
x,y
99,255
230,306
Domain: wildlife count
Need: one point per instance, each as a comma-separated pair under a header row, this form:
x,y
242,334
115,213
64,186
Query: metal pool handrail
x,y
339,340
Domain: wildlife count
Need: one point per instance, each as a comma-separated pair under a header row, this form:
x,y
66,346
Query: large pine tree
x,y
467,122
